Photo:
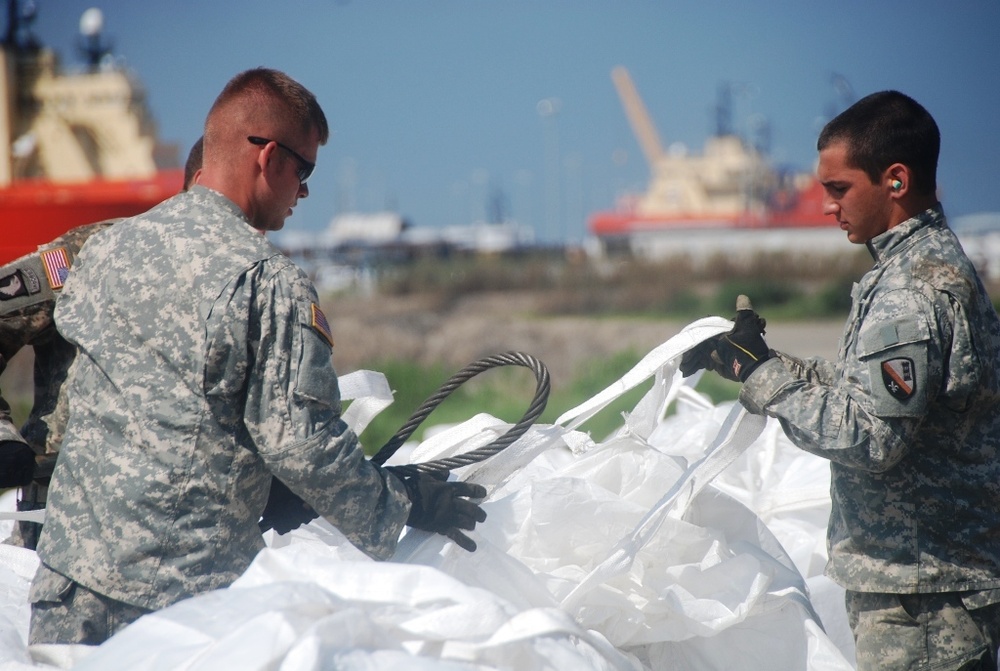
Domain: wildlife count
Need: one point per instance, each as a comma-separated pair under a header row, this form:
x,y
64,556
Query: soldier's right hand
x,y
739,352
17,464
285,510
700,357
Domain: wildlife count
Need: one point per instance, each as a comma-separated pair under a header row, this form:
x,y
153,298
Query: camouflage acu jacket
x,y
908,418
203,366
28,290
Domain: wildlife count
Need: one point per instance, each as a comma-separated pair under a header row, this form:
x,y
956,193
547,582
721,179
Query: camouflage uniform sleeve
x,y
28,290
865,417
26,305
813,369
293,415
11,340
7,429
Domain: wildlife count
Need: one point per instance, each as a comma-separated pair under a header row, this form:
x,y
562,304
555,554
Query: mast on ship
x,y
93,45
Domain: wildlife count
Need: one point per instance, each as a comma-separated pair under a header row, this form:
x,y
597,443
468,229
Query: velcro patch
x,y
21,282
899,378
56,263
320,324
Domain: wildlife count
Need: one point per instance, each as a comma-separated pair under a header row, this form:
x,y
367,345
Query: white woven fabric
x,y
656,548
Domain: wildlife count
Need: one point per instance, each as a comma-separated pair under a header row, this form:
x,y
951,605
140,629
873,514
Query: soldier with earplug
x,y
907,415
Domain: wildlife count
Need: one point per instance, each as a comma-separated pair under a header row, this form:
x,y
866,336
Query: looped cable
x,y
441,466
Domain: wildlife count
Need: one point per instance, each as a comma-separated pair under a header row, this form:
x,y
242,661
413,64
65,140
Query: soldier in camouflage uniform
x,y
908,414
28,290
204,367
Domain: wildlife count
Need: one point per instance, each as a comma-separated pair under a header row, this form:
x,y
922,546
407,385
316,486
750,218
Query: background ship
x,y
731,185
75,147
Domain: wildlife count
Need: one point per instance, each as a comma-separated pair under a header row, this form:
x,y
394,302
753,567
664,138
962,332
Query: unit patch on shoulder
x,y
320,324
21,282
56,263
898,376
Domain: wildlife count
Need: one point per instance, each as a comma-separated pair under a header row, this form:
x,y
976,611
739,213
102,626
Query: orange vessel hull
x,y
802,209
33,212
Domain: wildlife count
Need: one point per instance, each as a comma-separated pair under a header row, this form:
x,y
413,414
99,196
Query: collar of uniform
x,y
899,238
198,191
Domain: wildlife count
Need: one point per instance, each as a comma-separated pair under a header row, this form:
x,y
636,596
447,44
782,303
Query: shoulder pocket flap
x,y
887,335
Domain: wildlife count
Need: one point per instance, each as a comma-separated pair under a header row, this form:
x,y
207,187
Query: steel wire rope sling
x,y
439,466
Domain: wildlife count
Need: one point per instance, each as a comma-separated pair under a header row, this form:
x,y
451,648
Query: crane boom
x,y
642,126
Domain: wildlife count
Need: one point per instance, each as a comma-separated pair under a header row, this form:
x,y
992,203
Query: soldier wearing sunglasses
x,y
204,369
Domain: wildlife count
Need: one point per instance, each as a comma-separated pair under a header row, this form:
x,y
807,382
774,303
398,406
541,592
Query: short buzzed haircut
x,y
885,128
193,163
262,99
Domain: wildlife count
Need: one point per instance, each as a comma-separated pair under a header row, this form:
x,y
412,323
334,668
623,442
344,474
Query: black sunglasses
x,y
305,167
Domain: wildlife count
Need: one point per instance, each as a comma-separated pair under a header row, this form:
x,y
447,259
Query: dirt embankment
x,y
426,330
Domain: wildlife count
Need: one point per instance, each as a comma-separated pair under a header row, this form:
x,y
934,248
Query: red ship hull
x,y
33,212
801,209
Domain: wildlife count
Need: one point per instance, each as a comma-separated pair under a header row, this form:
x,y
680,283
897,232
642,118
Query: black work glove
x,y
285,510
17,464
700,357
739,352
443,507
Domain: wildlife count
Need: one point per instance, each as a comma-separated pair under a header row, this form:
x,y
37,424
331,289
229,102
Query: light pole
x,y
548,109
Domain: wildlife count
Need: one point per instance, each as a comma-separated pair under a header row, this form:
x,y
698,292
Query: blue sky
x,y
434,104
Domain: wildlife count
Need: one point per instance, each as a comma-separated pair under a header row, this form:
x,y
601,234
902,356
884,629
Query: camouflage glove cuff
x,y
17,464
443,507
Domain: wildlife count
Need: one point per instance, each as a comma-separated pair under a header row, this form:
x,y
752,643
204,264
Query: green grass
x,y
504,392
507,392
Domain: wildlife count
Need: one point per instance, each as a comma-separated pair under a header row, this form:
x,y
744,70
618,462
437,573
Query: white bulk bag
x,y
641,551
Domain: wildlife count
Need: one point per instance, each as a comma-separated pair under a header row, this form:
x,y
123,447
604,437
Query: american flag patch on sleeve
x,y
56,262
320,324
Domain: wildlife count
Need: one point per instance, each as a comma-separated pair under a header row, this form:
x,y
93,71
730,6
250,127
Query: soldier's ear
x,y
897,178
